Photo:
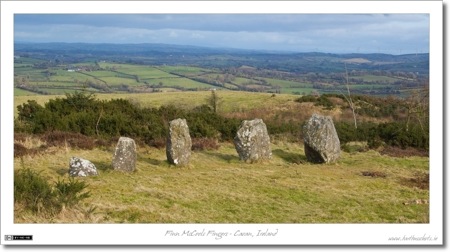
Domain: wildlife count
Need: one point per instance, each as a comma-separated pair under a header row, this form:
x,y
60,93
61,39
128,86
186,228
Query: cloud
x,y
298,32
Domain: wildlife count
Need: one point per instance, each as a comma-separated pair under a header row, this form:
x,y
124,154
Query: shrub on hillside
x,y
396,134
36,194
306,98
29,110
321,100
84,115
33,191
393,134
68,194
203,122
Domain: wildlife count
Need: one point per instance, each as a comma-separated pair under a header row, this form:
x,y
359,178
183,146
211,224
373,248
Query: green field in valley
x,y
113,77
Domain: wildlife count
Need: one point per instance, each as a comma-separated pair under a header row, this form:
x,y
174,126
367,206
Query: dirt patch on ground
x,y
374,174
399,152
420,180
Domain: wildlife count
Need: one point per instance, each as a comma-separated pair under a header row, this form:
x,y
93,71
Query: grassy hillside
x,y
218,188
231,100
364,186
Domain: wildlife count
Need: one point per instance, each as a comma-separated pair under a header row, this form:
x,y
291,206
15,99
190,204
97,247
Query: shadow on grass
x,y
152,161
226,157
103,166
290,157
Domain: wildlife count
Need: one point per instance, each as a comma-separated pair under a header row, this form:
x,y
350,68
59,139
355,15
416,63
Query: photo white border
x,y
155,234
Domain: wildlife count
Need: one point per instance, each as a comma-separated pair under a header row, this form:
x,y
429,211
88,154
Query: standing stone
x,y
321,140
179,144
125,156
79,167
252,142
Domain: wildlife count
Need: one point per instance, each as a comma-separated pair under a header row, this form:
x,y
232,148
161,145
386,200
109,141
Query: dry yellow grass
x,y
218,188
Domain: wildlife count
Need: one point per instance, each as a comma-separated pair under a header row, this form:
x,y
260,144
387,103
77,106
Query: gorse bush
x,y
318,100
366,105
70,193
33,191
83,115
36,194
393,134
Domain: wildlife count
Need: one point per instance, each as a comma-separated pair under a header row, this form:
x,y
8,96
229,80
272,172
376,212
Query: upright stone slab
x,y
79,167
179,144
321,140
125,156
252,142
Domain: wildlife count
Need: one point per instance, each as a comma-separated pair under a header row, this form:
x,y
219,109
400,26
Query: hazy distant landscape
x,y
58,68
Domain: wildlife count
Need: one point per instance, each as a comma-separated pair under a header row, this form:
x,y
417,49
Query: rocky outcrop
x,y
321,140
252,142
125,155
179,144
79,167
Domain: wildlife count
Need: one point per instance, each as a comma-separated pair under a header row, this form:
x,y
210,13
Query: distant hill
x,y
160,54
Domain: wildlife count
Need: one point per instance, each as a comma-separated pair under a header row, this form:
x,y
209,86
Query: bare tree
x,y
417,106
214,100
98,121
349,98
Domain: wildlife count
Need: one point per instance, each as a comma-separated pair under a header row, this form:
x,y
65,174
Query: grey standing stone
x,y
125,155
321,140
179,143
252,142
79,167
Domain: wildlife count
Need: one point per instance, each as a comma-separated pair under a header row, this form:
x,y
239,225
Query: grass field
x,y
63,91
185,70
217,187
134,75
231,101
118,74
287,84
115,75
21,92
181,82
31,73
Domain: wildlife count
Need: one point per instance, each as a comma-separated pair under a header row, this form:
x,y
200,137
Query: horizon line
x,y
223,48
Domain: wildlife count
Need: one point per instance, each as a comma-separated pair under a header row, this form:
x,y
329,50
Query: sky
x,y
330,33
